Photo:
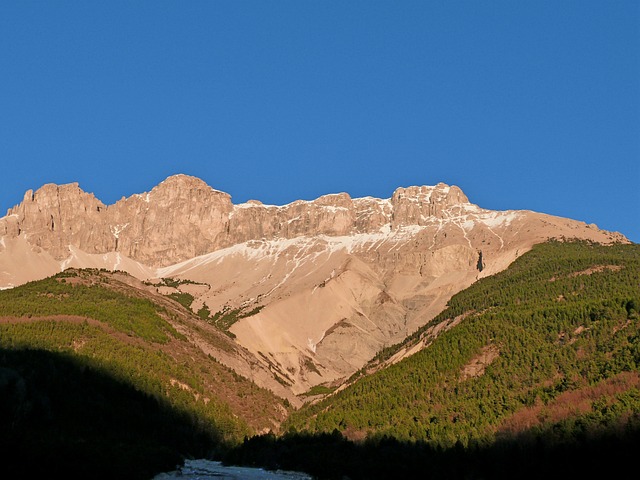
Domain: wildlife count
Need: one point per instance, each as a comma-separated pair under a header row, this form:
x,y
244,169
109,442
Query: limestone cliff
x,y
183,217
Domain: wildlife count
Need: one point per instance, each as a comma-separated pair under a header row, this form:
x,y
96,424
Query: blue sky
x,y
524,105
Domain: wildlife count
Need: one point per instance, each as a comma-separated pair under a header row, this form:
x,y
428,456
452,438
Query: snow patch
x,y
468,224
65,263
253,249
311,345
385,229
497,219
144,198
115,230
255,205
334,209
271,250
204,469
470,207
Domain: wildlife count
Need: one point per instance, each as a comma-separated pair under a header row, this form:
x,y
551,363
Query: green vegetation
x,y
227,316
561,318
60,415
57,332
183,298
69,294
541,378
318,390
174,282
223,320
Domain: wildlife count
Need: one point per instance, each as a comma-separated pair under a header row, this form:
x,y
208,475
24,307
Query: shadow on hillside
x,y
331,456
57,416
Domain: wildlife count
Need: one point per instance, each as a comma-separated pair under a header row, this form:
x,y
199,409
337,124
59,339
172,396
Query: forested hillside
x,y
96,378
562,319
543,362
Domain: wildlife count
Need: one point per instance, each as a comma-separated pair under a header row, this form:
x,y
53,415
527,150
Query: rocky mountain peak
x,y
418,205
438,194
185,183
183,217
56,216
338,200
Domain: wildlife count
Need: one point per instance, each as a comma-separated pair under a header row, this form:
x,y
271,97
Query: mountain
x,y
559,326
102,377
533,372
313,290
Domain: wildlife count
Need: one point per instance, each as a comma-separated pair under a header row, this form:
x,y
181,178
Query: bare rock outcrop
x,y
419,205
183,217
55,216
180,218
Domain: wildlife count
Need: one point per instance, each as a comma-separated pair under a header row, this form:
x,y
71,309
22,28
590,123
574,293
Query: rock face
x,y
318,287
180,218
183,217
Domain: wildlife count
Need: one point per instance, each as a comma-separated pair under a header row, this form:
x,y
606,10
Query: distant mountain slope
x,y
551,345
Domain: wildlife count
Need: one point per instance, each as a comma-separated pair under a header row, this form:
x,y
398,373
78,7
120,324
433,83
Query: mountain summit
x,y
312,288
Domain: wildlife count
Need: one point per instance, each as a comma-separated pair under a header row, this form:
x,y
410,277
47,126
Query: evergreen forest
x,y
540,377
97,382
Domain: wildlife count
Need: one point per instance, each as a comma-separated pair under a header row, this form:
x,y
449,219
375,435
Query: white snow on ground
x,y
465,217
262,249
470,207
384,203
65,263
496,219
253,249
117,229
499,237
333,209
256,205
207,469
311,345
145,197
298,258
468,224
460,221
435,235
